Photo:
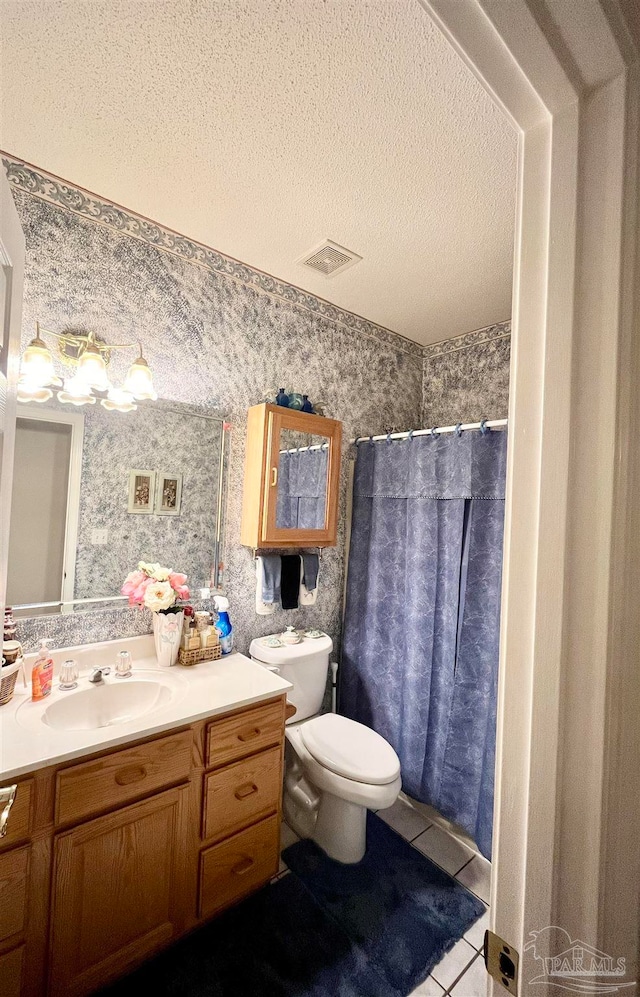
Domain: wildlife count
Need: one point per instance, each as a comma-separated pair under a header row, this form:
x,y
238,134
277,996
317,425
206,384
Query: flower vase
x,y
167,632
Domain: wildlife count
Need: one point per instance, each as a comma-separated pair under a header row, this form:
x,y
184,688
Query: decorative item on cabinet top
x,y
292,477
294,400
89,355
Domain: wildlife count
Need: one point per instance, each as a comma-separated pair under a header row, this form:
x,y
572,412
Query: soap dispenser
x,y
42,673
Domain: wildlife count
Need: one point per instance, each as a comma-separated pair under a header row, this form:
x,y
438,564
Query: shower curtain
x,y
302,488
421,633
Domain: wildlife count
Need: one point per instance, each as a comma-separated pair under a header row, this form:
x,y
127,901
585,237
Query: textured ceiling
x,y
261,127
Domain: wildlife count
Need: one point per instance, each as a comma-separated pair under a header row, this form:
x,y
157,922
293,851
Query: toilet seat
x,y
351,750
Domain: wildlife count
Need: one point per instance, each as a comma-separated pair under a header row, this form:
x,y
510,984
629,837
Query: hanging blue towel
x,y
271,574
310,564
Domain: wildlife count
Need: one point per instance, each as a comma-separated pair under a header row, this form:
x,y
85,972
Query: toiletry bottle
x,y
223,624
42,673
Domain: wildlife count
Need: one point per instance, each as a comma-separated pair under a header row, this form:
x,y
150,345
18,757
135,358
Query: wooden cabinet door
x,y
292,477
120,891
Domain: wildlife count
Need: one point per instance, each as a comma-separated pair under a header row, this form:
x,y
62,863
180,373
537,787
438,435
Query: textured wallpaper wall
x,y
217,334
466,379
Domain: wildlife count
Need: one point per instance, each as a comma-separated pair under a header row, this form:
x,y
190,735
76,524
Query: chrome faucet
x,y
97,674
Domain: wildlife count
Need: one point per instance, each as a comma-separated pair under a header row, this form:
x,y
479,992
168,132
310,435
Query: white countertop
x,y
27,742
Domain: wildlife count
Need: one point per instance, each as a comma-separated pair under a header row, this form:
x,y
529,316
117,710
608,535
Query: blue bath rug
x,y
397,907
375,929
277,943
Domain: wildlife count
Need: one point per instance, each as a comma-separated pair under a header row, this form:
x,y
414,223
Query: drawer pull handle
x,y
247,790
7,797
134,773
249,735
242,867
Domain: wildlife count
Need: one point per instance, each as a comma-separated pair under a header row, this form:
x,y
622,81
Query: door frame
x,y
566,834
12,253
72,515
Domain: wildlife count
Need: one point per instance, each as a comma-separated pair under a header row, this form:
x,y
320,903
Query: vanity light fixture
x,y
139,382
90,356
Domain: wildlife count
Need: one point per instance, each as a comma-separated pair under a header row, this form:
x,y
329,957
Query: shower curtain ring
x,y
484,429
372,441
459,429
433,434
410,436
389,437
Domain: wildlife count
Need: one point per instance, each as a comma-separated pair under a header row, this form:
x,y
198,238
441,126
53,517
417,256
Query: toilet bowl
x,y
335,768
338,771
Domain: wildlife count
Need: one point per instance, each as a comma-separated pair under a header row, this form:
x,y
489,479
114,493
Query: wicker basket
x,y
202,654
8,676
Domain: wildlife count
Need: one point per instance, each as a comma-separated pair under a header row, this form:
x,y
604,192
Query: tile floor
x,y
461,972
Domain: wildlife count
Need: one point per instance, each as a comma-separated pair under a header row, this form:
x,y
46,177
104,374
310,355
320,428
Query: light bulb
x,y
36,368
118,400
139,381
93,370
76,392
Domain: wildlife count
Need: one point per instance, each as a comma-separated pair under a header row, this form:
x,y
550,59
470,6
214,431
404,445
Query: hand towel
x,y
271,578
310,564
262,608
290,580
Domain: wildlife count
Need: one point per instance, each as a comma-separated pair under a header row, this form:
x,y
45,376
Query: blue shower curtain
x,y
302,488
421,635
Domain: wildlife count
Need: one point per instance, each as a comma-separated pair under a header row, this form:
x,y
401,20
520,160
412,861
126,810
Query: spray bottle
x,y
223,624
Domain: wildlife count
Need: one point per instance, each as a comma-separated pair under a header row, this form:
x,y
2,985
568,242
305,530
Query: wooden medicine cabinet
x,y
291,479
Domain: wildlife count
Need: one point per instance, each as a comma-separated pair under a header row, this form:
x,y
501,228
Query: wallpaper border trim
x,y
35,181
490,333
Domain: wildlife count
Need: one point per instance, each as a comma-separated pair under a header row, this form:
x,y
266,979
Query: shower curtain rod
x,y
486,424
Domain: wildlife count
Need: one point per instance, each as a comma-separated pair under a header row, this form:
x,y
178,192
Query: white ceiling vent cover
x,y
329,258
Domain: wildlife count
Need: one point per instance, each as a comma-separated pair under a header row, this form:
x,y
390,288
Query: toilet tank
x,y
305,665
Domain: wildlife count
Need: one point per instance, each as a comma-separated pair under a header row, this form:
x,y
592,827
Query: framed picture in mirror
x,y
168,494
141,491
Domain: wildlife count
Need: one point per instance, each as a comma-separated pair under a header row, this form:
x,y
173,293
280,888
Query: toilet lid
x,y
350,749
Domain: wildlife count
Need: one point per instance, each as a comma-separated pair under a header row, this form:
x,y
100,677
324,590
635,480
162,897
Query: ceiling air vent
x,y
329,259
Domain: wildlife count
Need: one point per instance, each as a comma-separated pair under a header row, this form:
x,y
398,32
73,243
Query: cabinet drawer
x,y
107,782
238,865
18,826
11,966
14,876
241,793
244,733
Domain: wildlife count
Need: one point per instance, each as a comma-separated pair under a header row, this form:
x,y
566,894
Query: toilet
x,y
335,768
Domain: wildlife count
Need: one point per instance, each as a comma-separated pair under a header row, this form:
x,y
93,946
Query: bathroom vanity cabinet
x,y
110,858
291,480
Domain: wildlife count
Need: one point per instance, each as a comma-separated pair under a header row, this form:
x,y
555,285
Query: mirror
x,y
96,491
302,481
291,479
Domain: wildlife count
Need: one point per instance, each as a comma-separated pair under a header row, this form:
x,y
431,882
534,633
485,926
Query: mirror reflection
x,y
302,481
96,491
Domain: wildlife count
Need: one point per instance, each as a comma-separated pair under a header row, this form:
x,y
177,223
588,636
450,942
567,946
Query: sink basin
x,y
106,705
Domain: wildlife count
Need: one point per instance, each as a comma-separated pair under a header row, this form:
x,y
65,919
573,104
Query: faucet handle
x,y
69,672
124,664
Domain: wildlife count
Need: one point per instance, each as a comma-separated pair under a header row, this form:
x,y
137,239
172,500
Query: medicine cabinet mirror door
x,y
301,487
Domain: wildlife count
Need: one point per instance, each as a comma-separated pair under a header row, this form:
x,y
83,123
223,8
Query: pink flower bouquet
x,y
156,587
